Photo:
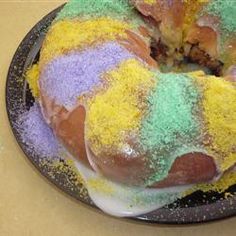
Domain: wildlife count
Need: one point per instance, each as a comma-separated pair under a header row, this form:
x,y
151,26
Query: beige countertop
x,y
29,205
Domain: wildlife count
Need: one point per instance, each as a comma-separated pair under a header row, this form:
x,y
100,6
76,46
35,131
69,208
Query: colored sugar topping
x,y
69,76
100,185
171,126
225,10
37,134
69,35
97,8
192,7
32,77
150,1
67,167
114,113
219,106
227,180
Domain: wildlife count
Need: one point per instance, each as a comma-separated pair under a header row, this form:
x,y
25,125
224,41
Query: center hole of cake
x,y
186,59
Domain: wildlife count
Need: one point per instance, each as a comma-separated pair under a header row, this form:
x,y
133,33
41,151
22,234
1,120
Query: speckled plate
x,y
196,208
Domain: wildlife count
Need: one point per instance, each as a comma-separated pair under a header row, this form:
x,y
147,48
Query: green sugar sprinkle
x,y
161,198
171,116
226,11
97,8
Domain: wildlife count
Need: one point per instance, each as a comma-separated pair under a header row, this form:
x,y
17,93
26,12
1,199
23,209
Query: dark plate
x,y
196,208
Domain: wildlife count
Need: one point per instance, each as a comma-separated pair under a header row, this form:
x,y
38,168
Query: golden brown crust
x,y
190,168
205,38
67,126
196,55
136,45
169,18
187,169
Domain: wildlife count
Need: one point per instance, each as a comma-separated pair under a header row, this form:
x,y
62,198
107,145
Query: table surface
x,y
29,205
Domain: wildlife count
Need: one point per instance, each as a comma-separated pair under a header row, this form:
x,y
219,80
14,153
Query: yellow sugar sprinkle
x,y
197,74
227,180
150,1
72,34
66,167
100,185
32,77
192,7
115,112
229,161
219,106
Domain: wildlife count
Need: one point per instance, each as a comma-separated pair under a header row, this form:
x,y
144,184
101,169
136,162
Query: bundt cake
x,y
143,91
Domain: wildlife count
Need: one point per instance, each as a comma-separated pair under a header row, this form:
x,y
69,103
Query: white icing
x,y
122,200
125,201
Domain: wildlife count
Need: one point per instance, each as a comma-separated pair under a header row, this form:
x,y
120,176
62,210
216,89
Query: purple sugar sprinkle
x,y
69,76
37,134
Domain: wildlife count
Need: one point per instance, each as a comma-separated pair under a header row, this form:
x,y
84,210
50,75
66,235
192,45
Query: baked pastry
x,y
105,95
204,31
